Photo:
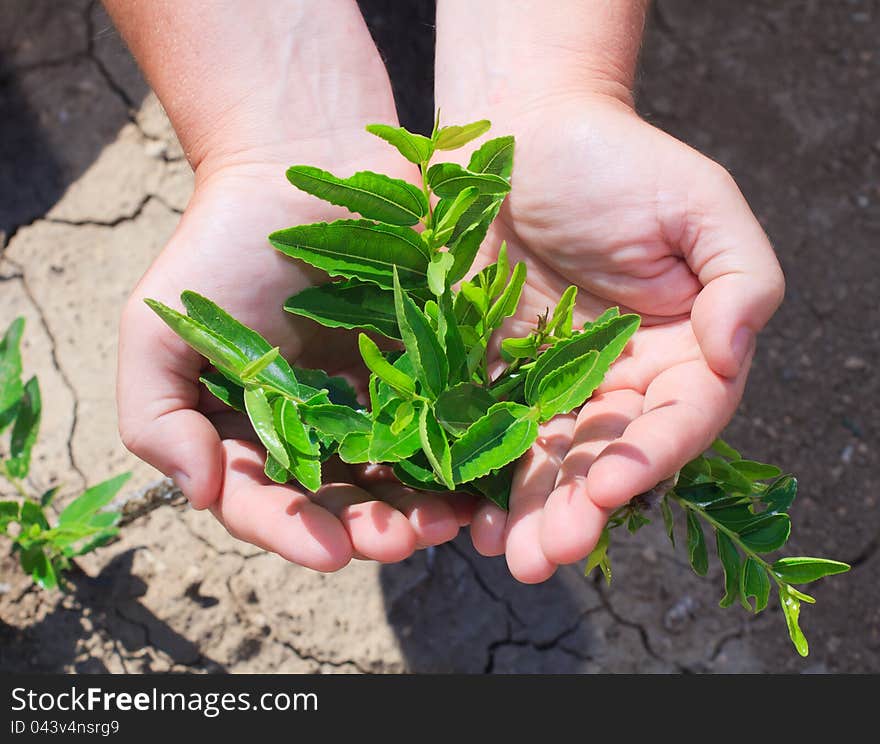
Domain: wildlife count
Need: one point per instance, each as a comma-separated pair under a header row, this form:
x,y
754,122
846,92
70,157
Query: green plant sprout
x,y
435,413
44,551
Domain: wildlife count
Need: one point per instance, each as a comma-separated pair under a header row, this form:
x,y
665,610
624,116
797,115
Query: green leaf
x,y
260,413
335,421
385,445
731,479
403,416
11,388
495,157
780,495
469,233
456,354
766,533
725,450
506,304
373,195
355,448
448,179
32,514
95,498
384,370
501,436
791,608
347,304
598,557
303,460
275,471
414,147
497,274
495,486
755,471
435,446
416,472
696,545
25,430
753,582
224,389
438,269
520,348
244,340
253,368
701,494
48,496
338,389
460,406
358,249
565,388
609,314
453,137
730,561
803,570
448,214
35,563
668,520
561,323
609,339
221,353
421,342
9,512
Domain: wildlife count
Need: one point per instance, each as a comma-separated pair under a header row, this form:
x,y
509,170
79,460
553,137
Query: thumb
x,y
157,394
742,281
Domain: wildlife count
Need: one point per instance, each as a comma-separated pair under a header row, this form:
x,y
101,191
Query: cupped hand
x,y
220,250
635,218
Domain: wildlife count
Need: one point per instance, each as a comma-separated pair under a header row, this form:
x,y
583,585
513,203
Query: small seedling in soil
x,y
436,414
45,551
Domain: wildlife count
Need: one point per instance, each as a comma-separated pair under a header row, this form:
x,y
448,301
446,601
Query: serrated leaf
x,y
372,195
435,446
453,343
416,472
755,471
260,414
506,304
453,137
358,249
11,387
383,369
387,446
598,557
696,545
304,463
803,569
460,406
244,340
725,450
253,368
355,448
333,420
766,533
519,348
414,147
567,387
494,156
421,342
92,499
753,583
448,179
224,389
609,339
780,495
501,436
609,314
438,269
560,323
448,214
347,304
791,608
339,390
25,430
730,561
469,233
495,486
668,519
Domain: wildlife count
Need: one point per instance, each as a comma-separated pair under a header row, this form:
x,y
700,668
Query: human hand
x,y
220,250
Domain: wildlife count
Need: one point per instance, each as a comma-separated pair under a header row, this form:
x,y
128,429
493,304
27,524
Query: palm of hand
x,y
611,205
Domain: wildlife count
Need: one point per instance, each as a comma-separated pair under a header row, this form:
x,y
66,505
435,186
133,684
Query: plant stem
x,y
14,482
429,223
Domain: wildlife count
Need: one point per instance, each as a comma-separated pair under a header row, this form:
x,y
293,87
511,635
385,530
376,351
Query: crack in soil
x,y
483,584
302,656
131,216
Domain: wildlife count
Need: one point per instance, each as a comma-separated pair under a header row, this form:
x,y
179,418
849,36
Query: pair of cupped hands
x,y
600,199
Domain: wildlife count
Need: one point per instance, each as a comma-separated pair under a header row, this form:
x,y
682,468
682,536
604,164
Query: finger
x,y
432,518
157,392
572,521
534,480
487,529
377,530
684,409
742,282
277,518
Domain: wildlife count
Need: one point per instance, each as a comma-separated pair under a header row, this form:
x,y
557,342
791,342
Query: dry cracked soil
x,y
786,94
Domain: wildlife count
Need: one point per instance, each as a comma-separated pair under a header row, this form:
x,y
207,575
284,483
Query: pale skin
x,y
600,199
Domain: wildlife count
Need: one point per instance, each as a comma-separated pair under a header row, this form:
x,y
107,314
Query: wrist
x,y
501,56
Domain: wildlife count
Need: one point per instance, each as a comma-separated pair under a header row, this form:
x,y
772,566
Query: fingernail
x,y
742,344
